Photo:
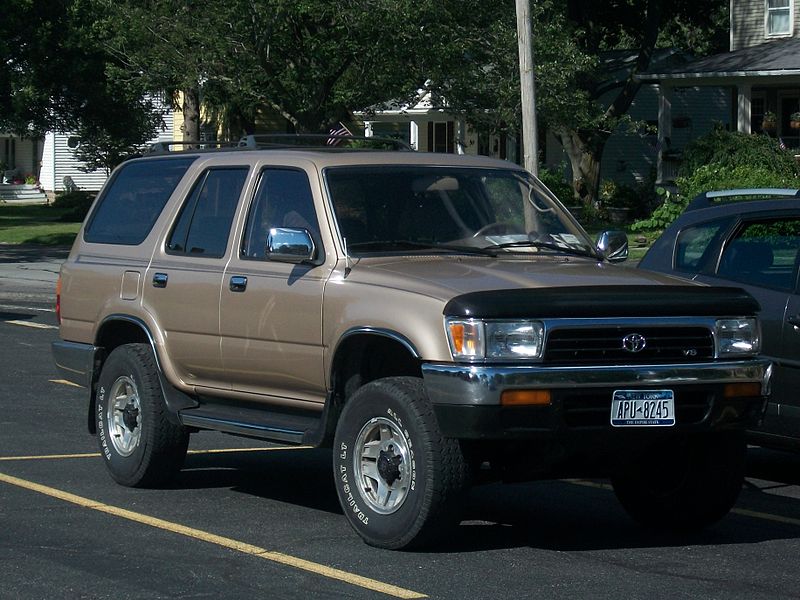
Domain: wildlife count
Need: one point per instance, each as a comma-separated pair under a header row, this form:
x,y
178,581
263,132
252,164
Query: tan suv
x,y
438,320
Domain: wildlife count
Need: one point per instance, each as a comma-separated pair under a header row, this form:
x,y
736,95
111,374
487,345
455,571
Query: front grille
x,y
592,407
604,345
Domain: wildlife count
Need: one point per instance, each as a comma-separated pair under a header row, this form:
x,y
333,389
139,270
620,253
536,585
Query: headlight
x,y
472,339
737,337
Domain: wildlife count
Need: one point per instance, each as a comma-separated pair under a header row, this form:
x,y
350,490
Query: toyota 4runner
x,y
437,320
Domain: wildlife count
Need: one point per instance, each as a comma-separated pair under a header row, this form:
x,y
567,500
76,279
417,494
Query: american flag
x,y
781,145
341,130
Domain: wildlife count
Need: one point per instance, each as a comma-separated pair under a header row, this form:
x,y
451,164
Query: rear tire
x,y
139,445
399,481
684,484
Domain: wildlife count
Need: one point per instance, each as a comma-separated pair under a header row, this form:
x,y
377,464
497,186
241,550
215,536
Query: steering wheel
x,y
498,228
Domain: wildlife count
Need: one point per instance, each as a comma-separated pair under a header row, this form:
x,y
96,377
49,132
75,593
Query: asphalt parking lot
x,y
247,519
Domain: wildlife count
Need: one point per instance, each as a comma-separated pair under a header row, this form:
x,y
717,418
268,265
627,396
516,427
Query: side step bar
x,y
259,423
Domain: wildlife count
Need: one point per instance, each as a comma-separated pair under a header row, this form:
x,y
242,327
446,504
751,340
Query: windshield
x,y
407,209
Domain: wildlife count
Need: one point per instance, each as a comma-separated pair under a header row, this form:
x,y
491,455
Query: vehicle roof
x,y
740,199
341,157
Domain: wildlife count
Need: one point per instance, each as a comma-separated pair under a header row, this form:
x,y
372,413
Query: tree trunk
x,y
191,115
585,152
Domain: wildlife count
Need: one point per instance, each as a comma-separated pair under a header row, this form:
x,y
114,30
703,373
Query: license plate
x,y
643,408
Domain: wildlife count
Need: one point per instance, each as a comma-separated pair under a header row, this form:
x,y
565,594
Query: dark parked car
x,y
751,239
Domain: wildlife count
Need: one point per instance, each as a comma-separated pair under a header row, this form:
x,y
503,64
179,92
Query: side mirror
x,y
613,245
287,244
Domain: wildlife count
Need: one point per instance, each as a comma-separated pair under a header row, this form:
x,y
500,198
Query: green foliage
x,y
670,209
709,178
556,182
725,177
73,205
732,149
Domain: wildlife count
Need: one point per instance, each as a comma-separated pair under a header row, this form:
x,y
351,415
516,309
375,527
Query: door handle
x,y
795,321
160,280
238,283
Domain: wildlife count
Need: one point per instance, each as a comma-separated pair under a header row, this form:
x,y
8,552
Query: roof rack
x,y
323,140
167,146
708,199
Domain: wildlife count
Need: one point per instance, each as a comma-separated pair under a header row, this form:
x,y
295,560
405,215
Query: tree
x,y
579,97
53,76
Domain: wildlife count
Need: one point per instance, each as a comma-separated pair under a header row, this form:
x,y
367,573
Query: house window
x,y
779,17
441,137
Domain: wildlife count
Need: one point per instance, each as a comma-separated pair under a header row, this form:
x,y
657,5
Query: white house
x,y
47,162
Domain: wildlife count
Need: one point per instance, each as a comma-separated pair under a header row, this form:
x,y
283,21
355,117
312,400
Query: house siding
x,y
58,161
748,23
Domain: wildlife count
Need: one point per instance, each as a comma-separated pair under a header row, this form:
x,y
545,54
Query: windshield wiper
x,y
388,245
542,245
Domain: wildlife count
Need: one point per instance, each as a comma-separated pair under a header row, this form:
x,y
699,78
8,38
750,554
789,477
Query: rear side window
x,y
134,199
204,223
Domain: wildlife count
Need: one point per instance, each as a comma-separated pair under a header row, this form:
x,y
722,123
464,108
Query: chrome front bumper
x,y
482,385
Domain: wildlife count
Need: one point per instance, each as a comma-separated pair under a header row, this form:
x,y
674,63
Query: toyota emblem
x,y
634,342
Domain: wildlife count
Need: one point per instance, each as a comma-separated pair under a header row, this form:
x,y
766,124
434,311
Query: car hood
x,y
446,276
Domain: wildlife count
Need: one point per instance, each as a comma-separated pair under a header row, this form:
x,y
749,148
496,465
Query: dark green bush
x,y
74,204
554,179
709,178
733,149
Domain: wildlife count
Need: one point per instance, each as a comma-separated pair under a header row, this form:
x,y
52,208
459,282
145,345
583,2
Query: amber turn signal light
x,y
525,398
742,390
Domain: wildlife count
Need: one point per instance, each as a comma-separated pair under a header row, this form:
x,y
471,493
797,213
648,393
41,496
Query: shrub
x,y
554,179
74,204
733,149
708,178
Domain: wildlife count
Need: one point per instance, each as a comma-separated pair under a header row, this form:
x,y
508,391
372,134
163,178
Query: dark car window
x,y
692,245
283,199
135,196
763,253
204,222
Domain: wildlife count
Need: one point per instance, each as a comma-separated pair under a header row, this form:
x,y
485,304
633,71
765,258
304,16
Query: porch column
x,y
413,135
743,119
461,132
664,125
367,128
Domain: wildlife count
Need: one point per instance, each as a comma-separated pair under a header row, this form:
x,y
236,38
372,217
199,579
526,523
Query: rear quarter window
x,y
133,200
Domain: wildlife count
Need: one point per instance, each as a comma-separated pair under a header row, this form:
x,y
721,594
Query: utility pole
x,y
530,144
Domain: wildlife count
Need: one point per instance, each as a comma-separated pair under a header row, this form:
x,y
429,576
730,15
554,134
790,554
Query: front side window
x,y
204,223
396,210
779,17
133,200
763,253
283,199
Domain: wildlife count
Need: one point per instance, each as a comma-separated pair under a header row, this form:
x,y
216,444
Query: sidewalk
x,y
30,272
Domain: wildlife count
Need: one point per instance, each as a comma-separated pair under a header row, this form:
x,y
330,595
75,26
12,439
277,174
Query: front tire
x,y
139,445
399,481
684,484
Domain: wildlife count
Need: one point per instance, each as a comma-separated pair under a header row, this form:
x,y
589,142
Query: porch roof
x,y
775,61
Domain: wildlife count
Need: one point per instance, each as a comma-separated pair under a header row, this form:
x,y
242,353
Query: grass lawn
x,y
35,224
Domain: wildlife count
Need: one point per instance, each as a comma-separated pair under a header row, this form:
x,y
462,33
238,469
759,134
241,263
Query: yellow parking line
x,y
766,516
64,382
31,324
256,551
97,454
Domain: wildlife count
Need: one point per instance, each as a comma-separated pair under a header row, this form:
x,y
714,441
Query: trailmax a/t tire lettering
x,y
399,481
139,445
